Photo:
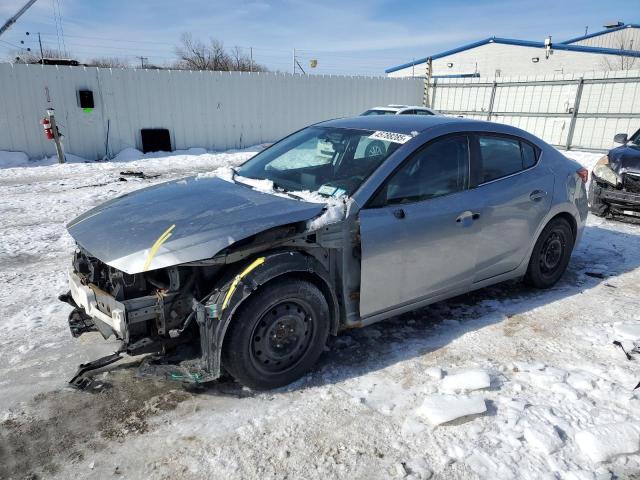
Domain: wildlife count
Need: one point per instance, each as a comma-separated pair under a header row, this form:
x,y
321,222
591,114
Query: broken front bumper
x,y
620,197
108,315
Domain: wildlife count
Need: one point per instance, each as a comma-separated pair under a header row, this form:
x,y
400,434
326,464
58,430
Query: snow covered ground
x,y
505,382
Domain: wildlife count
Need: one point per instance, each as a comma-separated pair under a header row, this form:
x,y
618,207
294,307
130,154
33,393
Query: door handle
x,y
399,213
464,216
537,195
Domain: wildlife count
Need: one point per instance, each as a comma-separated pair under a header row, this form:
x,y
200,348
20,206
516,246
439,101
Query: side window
x,y
439,168
408,112
529,155
423,112
502,156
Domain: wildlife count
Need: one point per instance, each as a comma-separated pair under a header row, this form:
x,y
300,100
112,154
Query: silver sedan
x,y
339,225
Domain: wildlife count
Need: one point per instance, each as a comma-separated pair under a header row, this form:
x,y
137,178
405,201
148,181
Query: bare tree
x,y
24,56
107,62
197,55
620,62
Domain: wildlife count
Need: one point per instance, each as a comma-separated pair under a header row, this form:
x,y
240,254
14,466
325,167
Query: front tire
x,y
551,254
277,334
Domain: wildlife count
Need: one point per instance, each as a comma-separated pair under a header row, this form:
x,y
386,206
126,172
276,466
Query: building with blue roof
x,y
615,48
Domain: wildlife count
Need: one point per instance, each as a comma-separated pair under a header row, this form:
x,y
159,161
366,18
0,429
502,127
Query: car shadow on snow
x,y
603,254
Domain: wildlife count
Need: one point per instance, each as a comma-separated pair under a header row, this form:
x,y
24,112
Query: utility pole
x,y
40,42
13,19
251,59
427,82
142,60
294,61
56,137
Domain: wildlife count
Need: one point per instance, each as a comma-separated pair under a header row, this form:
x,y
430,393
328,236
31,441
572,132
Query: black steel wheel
x,y
277,334
282,336
551,254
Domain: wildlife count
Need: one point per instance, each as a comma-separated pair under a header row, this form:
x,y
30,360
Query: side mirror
x,y
620,138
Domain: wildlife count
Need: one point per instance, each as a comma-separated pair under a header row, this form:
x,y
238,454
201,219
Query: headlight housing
x,y
604,172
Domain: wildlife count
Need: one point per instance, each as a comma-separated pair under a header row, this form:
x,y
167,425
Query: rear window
x,y
503,156
378,112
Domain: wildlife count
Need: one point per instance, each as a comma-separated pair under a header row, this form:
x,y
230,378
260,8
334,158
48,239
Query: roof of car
x,y
392,123
397,108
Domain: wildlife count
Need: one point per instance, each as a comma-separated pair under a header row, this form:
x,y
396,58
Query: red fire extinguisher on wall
x,y
48,131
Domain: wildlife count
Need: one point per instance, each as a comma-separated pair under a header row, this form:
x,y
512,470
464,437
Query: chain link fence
x,y
567,111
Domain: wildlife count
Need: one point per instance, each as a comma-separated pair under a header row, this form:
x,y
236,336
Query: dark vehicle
x,y
320,233
615,181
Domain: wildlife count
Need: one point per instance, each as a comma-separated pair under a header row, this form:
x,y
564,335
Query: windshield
x,y
378,112
329,161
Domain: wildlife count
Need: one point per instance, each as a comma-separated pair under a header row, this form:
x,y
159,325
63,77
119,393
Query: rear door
x,y
417,231
514,192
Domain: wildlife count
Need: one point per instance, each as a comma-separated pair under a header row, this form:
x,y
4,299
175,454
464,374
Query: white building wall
x,y
510,60
214,110
627,38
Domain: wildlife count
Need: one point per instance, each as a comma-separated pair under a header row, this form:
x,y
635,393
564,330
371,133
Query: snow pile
x,y
439,409
128,155
629,331
20,159
12,159
132,154
604,442
466,381
543,438
334,211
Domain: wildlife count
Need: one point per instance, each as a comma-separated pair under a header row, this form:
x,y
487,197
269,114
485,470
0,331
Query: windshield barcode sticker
x,y
391,137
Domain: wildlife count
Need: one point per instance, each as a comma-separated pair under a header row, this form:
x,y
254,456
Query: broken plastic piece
x,y
80,381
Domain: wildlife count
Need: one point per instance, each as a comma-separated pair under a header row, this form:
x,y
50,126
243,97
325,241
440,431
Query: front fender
x,y
218,312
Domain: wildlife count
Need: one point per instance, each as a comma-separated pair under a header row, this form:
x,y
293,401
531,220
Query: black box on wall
x,y
85,97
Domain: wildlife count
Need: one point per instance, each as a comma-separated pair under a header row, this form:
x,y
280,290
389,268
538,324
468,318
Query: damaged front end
x,y
615,187
135,308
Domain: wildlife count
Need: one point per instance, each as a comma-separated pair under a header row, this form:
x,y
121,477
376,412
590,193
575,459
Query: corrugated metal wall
x,y
214,110
570,111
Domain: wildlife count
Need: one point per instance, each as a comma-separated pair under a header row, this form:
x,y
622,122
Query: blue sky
x,y
346,37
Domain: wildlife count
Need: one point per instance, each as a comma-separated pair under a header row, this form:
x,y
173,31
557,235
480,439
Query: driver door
x,y
417,231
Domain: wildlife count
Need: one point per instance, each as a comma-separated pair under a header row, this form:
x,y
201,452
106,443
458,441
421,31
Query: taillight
x,y
583,173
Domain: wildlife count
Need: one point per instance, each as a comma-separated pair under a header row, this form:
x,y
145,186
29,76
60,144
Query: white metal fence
x,y
214,110
569,111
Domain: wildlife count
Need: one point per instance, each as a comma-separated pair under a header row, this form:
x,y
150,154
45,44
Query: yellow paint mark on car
x,y
256,263
156,246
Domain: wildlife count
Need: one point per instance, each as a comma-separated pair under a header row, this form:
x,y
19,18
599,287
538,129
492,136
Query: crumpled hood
x,y
181,221
625,159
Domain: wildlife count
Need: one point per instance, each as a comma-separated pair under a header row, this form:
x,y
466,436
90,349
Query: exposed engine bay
x,y
155,302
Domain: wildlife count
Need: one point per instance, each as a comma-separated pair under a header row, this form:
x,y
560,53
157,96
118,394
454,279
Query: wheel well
x,y
570,219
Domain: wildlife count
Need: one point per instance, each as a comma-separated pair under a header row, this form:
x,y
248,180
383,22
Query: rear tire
x,y
277,334
551,254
